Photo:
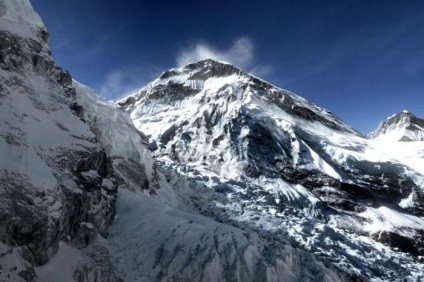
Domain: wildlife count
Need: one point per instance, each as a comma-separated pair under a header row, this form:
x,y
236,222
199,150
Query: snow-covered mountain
x,y
403,126
215,175
83,200
277,163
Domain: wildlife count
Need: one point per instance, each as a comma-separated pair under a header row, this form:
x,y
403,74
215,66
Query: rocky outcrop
x,y
56,181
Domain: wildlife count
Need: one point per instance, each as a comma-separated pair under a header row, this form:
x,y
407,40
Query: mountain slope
x,y
55,179
403,126
71,161
276,162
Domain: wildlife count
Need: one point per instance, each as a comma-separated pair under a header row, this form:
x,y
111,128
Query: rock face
x,y
274,161
403,126
55,179
58,179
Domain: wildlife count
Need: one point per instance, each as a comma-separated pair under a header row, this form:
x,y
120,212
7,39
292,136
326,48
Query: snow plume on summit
x,y
241,53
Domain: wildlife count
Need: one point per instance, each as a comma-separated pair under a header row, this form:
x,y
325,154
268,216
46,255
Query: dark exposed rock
x,y
211,68
84,233
9,50
128,102
132,174
153,146
15,53
186,137
168,74
98,162
262,149
418,199
64,78
169,134
396,240
77,110
25,223
76,200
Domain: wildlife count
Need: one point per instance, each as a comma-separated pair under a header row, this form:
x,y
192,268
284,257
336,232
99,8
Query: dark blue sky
x,y
362,60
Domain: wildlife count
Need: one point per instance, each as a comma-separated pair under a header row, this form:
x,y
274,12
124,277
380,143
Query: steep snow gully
x,y
205,174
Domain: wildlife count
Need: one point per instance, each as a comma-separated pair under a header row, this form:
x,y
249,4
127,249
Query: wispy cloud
x,y
113,84
241,54
124,81
119,83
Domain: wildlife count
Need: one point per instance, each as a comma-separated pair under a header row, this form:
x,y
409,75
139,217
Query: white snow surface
x,y
114,128
19,18
387,219
43,127
409,153
396,133
152,241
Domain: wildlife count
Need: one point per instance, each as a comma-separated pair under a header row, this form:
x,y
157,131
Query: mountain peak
x,y
209,61
402,113
208,82
402,126
213,68
200,71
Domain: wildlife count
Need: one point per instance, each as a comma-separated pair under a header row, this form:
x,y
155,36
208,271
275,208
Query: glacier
x,y
206,174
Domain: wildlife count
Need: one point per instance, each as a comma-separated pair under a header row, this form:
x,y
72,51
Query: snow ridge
x,y
403,126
